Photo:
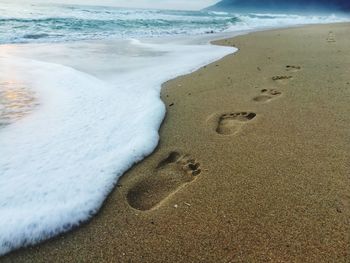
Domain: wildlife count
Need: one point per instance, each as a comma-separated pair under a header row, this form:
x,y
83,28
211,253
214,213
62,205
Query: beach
x,y
252,164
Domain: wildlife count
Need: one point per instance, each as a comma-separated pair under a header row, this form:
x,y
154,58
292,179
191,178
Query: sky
x,y
161,4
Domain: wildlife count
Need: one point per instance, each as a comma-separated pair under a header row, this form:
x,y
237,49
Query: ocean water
x,y
79,101
47,23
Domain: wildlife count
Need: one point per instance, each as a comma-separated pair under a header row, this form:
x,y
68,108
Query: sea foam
x,y
59,163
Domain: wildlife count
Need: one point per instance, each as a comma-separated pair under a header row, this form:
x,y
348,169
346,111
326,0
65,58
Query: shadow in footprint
x,y
267,95
231,123
170,174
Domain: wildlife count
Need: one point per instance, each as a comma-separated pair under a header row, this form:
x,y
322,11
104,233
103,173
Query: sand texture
x,y
253,163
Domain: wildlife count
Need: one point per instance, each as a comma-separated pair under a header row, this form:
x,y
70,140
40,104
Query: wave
x,y
71,23
35,36
256,20
59,162
123,25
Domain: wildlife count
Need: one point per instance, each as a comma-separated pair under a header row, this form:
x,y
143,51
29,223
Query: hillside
x,y
275,5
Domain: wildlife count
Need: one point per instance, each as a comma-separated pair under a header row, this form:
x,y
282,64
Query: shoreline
x,y
251,153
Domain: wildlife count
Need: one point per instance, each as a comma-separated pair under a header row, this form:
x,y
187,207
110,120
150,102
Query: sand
x,y
253,163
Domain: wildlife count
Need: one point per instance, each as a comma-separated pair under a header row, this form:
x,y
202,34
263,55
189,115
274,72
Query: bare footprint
x,y
231,123
293,68
282,79
267,95
331,37
171,173
343,204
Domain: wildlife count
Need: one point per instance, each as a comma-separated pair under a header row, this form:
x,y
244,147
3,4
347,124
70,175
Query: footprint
x,y
231,123
267,95
331,37
170,174
292,68
343,204
282,79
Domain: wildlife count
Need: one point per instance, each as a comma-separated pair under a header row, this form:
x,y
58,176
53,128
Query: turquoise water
x,y
57,23
63,23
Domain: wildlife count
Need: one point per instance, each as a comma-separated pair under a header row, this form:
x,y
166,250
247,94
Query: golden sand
x,y
253,163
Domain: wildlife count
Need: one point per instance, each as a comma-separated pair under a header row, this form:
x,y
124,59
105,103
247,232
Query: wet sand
x,y
253,163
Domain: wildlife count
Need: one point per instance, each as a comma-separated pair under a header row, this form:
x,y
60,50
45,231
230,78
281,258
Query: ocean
x,y
80,101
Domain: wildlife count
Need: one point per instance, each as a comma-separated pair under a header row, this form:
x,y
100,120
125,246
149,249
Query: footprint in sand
x,y
331,37
292,68
231,123
343,204
282,79
267,95
169,176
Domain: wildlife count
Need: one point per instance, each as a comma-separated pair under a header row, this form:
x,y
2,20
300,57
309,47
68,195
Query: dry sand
x,y
253,163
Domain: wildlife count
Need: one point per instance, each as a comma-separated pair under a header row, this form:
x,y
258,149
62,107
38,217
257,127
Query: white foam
x,y
261,21
58,164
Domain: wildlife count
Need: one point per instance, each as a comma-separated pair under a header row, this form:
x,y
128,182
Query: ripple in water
x,y
16,101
